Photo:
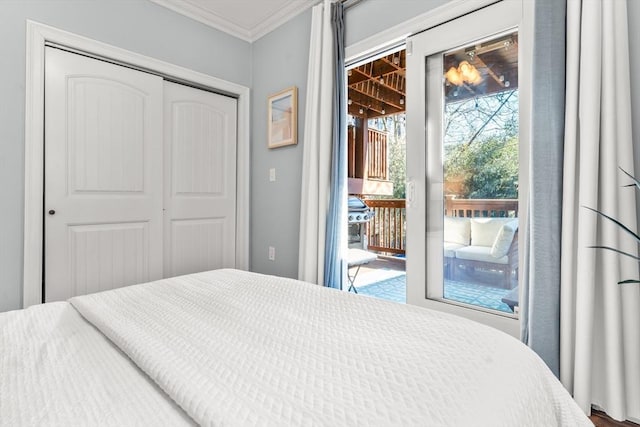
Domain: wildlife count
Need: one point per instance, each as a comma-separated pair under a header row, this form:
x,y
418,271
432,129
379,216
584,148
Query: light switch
x,y
272,174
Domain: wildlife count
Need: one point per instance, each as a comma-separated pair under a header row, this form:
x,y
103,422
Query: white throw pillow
x,y
503,240
485,230
457,230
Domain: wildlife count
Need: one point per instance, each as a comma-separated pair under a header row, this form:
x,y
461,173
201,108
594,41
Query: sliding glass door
x,y
464,162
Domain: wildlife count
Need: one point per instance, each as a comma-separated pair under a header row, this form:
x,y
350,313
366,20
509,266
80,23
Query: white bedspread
x,y
58,370
241,349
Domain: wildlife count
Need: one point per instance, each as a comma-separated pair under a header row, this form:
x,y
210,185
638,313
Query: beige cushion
x,y
485,230
504,238
450,249
457,230
480,253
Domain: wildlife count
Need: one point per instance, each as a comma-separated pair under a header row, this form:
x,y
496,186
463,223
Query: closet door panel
x,y
106,136
200,180
196,245
103,176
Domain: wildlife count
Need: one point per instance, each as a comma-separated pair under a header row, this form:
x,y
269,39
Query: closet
x,y
139,177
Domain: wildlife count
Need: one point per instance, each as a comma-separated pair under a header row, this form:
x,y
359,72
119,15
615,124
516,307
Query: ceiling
x,y
377,88
246,19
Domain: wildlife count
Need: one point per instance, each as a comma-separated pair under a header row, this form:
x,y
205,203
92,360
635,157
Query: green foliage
x,y
398,166
395,126
636,237
485,169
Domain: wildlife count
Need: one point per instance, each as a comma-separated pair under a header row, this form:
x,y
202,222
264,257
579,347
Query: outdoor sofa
x,y
481,243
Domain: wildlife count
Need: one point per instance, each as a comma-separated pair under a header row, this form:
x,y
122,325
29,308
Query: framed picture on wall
x,y
282,118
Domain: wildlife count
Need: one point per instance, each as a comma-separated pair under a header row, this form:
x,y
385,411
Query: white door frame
x,y
424,158
396,36
39,34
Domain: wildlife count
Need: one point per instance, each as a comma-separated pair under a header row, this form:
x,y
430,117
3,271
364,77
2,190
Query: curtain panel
x,y
540,318
600,320
323,227
335,268
316,157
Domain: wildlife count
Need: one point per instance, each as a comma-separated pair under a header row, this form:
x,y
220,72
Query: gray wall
x,y
136,25
280,60
369,17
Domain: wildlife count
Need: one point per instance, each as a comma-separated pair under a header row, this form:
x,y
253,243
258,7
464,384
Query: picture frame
x,y
282,120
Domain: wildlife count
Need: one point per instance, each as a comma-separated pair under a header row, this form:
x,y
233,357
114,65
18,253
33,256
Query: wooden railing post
x,y
481,207
387,231
377,155
367,152
351,151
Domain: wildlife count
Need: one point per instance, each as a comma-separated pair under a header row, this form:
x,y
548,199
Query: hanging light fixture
x,y
464,73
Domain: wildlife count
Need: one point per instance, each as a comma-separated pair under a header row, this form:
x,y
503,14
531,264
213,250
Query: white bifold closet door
x,y
200,180
103,176
139,177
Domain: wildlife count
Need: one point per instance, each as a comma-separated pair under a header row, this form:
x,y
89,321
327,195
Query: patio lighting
x,y
464,73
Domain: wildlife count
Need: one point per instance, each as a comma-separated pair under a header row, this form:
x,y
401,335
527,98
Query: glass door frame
x,y
422,189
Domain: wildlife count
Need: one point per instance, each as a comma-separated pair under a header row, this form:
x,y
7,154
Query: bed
x,y
232,348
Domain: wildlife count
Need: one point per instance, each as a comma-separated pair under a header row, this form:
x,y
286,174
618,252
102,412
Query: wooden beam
x,y
481,63
397,84
367,92
400,56
377,92
375,105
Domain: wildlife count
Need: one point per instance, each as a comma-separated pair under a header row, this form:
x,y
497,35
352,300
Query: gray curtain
x,y
335,256
540,305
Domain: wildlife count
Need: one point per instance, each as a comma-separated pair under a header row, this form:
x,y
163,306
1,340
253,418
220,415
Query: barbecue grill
x,y
359,215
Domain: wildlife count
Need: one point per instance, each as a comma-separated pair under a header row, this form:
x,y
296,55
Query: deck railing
x,y
373,156
481,207
377,155
387,231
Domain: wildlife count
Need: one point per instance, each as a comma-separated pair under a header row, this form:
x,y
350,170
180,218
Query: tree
x,y
395,126
486,169
481,146
398,166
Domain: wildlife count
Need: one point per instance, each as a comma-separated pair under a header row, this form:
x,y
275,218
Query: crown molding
x,y
218,22
205,17
281,16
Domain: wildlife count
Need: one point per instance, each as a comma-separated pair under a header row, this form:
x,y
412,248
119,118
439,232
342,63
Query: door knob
x,y
52,212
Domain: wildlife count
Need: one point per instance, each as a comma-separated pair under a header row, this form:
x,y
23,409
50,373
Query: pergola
x,y
377,88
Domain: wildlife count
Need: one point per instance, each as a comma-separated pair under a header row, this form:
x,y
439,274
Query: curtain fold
x,y
336,241
540,305
600,320
317,140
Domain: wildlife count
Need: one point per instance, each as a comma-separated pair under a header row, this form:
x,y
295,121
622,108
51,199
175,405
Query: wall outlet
x,y
272,253
272,174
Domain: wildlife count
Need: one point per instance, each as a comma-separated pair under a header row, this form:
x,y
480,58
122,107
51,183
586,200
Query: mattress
x,y
231,348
